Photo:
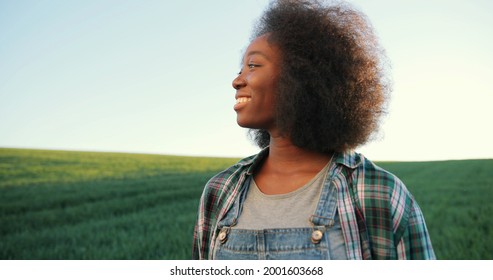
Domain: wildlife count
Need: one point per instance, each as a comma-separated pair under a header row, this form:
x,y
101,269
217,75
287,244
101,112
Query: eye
x,y
250,66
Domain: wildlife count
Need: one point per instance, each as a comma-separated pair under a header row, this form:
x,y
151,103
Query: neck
x,y
284,155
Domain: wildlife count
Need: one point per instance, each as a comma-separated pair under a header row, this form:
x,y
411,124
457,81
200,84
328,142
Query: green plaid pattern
x,y
379,217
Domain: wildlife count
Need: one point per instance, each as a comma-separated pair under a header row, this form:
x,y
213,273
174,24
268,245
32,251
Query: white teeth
x,y
243,100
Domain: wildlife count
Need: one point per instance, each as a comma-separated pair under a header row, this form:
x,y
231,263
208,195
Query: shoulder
x,y
374,179
229,174
385,192
221,184
392,218
378,188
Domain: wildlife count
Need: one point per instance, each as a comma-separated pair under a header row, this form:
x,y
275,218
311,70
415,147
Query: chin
x,y
252,123
243,125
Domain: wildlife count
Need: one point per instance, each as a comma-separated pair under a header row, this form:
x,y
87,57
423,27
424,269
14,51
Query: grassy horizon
x,y
97,205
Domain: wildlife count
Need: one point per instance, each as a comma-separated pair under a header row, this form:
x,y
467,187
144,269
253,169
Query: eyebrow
x,y
254,52
250,53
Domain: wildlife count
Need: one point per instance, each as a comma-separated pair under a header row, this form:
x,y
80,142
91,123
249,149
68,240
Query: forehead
x,y
261,46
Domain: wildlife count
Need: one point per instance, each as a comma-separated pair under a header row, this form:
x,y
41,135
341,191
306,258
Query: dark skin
x,y
287,167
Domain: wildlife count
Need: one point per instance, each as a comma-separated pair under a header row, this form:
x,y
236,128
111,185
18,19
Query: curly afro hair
x,y
332,89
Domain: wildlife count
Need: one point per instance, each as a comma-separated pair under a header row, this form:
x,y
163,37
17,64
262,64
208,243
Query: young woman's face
x,y
256,85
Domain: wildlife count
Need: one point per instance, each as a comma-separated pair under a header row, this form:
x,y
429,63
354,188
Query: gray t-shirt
x,y
290,210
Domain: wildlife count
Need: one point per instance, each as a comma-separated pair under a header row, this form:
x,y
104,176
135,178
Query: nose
x,y
238,82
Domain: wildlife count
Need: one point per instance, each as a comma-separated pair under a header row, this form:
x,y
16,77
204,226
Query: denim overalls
x,y
323,241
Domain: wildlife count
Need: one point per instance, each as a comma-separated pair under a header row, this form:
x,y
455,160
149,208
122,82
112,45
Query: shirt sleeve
x,y
200,248
195,247
206,218
415,243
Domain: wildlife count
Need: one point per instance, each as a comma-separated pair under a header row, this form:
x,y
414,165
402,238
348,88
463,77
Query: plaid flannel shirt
x,y
379,217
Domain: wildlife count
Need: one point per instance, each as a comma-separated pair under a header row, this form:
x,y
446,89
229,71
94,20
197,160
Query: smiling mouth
x,y
243,100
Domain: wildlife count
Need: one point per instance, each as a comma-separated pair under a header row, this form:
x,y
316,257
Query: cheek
x,y
271,92
264,90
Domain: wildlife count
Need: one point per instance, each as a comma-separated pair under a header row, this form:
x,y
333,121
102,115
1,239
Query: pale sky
x,y
155,76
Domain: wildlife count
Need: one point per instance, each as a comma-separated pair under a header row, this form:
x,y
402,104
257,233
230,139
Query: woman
x,y
311,89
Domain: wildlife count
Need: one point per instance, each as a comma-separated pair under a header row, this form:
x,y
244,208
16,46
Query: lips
x,y
241,101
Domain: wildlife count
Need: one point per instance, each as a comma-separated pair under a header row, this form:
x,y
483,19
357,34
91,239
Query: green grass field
x,y
82,205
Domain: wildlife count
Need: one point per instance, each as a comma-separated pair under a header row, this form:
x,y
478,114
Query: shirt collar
x,y
350,159
255,161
